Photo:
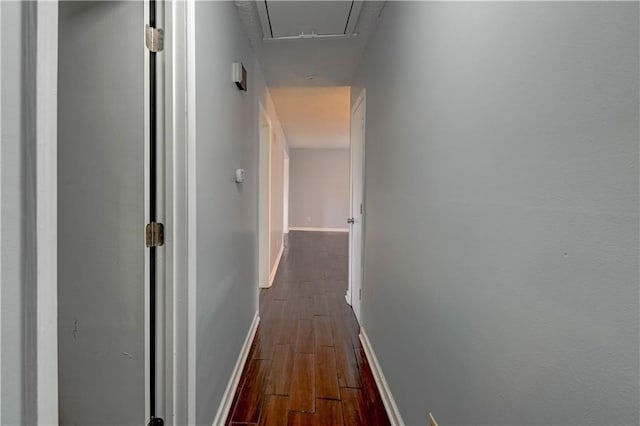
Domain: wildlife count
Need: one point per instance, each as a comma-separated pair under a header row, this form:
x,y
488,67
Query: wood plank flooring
x,y
306,365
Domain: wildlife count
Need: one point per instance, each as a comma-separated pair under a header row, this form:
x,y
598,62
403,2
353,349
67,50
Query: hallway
x,y
306,364
267,212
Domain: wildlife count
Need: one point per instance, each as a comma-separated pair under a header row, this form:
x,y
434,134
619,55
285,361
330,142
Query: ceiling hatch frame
x,y
267,24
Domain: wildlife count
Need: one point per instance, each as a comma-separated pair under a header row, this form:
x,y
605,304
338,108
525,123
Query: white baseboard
x,y
232,386
387,398
299,228
275,267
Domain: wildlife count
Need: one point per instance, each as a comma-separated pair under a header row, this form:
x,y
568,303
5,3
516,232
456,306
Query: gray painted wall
x,y
12,385
101,263
501,247
319,188
227,213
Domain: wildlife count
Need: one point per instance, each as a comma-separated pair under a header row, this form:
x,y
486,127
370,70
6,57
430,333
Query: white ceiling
x,y
281,19
314,117
331,63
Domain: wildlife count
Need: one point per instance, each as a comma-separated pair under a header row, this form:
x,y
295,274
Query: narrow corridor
x,y
306,365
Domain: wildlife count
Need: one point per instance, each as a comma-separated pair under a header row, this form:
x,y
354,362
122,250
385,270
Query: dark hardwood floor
x,y
306,365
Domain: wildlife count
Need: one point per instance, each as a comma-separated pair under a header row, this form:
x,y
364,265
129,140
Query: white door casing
x,y
285,195
264,198
46,212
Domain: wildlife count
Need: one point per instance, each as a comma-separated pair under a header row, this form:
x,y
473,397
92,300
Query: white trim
x,y
264,196
146,195
1,286
270,193
358,101
274,270
285,194
191,213
229,393
176,213
312,229
162,281
385,392
47,211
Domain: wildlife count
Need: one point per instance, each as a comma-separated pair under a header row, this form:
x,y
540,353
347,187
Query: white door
x,y
357,204
103,321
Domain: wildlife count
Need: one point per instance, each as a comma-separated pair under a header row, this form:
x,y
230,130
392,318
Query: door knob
x,y
351,220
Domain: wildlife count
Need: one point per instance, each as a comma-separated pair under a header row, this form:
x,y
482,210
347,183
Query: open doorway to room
x,y
271,203
356,204
317,122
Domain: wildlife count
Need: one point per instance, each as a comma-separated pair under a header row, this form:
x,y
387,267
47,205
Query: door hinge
x,y
156,421
154,39
361,209
155,234
360,296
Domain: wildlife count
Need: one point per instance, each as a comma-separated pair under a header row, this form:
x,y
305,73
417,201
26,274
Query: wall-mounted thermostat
x,y
239,76
239,175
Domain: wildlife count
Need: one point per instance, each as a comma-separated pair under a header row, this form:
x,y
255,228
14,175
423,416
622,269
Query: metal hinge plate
x,y
156,421
155,234
154,38
360,296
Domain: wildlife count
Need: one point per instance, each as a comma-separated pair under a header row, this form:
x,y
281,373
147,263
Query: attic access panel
x,y
280,19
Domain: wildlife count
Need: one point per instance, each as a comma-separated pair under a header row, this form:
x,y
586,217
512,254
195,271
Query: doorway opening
x,y
272,210
356,220
110,197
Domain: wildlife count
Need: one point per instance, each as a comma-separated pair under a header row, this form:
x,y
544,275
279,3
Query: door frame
x,y
43,24
349,296
1,216
285,193
165,289
185,112
45,208
264,198
46,28
39,261
179,186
